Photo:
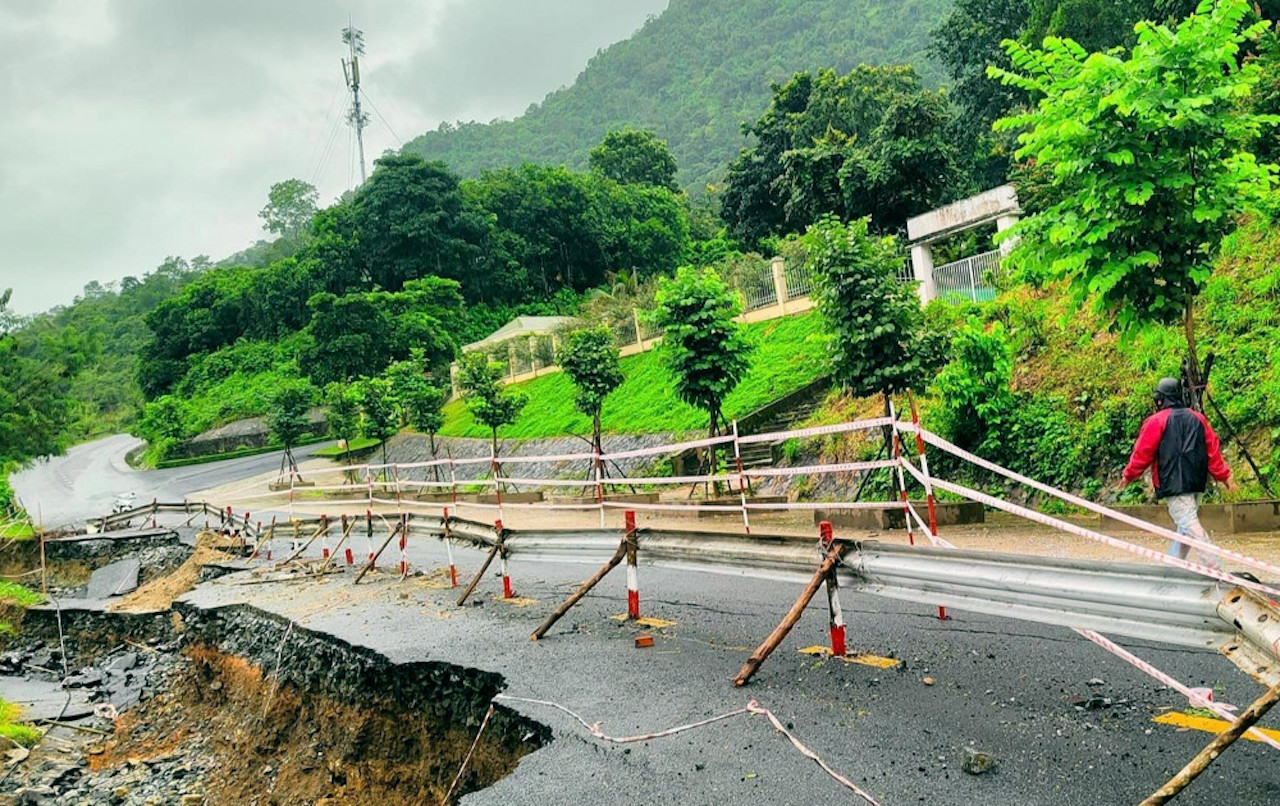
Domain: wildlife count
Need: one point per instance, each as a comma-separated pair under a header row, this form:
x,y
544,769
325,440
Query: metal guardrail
x,y
1147,602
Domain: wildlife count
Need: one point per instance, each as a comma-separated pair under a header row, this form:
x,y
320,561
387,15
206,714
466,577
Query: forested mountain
x,y
695,75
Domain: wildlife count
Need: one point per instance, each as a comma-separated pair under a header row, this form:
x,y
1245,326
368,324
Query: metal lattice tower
x,y
354,38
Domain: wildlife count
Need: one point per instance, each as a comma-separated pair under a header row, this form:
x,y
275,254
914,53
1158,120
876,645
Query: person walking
x,y
1179,446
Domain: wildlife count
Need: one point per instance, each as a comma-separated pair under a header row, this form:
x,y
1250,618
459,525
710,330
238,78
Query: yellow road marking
x,y
862,660
519,601
1207,724
647,621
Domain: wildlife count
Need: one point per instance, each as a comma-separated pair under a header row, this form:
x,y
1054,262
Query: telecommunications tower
x,y
354,38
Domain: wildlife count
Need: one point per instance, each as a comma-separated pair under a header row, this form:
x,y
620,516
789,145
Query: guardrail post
x,y
834,611
368,534
448,547
404,546
324,539
928,483
507,592
780,632
633,574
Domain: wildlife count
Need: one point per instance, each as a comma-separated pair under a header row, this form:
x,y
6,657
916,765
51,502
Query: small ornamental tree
x,y
705,349
342,414
494,406
1147,161
420,401
875,320
379,414
287,419
591,361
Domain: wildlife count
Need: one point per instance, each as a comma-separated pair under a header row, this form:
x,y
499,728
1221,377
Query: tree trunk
x,y
596,441
712,432
1192,364
435,469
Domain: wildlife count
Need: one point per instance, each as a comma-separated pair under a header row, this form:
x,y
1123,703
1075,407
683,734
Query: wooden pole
x,y
323,526
262,540
373,559
347,526
493,552
780,632
624,547
1214,749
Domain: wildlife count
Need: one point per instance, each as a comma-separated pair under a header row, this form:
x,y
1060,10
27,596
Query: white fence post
x,y
778,267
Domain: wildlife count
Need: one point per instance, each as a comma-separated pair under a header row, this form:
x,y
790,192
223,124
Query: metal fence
x,y
972,278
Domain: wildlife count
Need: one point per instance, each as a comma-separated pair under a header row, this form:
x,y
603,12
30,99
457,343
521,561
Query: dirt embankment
x,y
292,717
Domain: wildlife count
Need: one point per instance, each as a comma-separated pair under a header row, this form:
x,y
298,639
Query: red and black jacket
x,y
1179,446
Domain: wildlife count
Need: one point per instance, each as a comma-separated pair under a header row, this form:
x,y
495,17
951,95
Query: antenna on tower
x,y
354,38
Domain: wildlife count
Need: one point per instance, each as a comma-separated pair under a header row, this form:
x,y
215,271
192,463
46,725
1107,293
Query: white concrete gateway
x,y
998,204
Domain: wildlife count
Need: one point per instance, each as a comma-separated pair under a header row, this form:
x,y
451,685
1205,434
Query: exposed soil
x,y
159,593
261,741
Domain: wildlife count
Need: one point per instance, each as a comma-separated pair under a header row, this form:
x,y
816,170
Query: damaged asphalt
x,y
1064,722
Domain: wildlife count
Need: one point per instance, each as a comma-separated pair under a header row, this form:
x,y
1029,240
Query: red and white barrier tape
x,y
562,457
817,430
1160,531
1114,542
1194,697
677,447
752,708
845,467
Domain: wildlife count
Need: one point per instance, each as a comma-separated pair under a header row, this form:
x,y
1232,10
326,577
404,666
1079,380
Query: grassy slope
x,y
790,353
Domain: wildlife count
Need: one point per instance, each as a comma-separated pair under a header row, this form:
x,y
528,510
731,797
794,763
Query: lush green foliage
x,y
705,349
590,360
1147,157
868,143
692,75
287,419
878,342
631,156
492,404
555,229
291,205
791,354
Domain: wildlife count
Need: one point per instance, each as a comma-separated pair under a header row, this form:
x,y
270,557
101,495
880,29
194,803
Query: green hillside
x,y
790,353
694,75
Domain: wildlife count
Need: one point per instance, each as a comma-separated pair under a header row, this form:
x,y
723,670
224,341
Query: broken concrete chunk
x,y
977,762
115,579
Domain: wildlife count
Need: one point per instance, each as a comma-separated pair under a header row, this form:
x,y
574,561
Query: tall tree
x,y
1147,156
421,401
590,359
493,405
633,156
412,222
379,415
705,348
878,343
870,142
291,205
288,421
342,414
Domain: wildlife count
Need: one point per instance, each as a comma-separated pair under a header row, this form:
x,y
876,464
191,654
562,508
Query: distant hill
x,y
694,75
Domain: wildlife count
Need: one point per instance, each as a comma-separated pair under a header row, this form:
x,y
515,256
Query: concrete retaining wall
x,y
892,516
1238,518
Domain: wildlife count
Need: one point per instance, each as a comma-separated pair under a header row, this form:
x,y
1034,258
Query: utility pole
x,y
351,71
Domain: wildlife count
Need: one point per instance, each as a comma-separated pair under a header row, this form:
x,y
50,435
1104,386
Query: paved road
x,y
84,483
1007,687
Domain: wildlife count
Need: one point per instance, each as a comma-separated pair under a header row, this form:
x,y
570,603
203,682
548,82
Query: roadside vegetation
x,y
362,306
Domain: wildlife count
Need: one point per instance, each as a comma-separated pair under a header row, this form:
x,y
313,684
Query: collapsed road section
x,y
172,704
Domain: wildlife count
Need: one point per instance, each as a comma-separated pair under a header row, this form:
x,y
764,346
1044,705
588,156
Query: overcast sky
x,y
136,129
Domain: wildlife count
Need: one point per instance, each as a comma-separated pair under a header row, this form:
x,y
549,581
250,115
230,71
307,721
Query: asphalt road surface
x,y
84,483
1067,723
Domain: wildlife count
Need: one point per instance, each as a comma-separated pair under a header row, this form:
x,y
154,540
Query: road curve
x,y
84,482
